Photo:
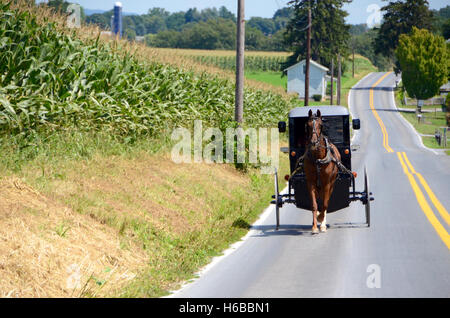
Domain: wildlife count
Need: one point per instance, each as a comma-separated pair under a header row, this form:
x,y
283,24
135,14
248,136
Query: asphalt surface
x,y
405,252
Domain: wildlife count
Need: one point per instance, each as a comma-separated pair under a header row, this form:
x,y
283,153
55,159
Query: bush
x,y
317,98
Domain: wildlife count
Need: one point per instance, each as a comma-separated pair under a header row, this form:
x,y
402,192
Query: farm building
x,y
317,79
444,89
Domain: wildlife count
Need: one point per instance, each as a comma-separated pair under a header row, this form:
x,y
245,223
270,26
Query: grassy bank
x,y
129,207
431,120
427,126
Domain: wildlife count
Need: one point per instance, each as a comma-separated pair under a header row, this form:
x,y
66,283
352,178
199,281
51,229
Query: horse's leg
x,y
313,196
326,194
323,221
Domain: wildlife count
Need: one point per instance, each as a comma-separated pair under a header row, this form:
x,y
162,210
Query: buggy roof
x,y
324,110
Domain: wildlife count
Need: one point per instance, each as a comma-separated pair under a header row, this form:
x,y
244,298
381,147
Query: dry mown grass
x,y
146,188
47,250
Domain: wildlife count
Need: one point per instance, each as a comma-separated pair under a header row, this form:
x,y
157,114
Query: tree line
x,y
331,35
209,28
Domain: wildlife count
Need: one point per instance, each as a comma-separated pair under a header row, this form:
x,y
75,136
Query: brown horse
x,y
321,169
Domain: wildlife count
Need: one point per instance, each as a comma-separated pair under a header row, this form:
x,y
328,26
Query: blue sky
x,y
254,8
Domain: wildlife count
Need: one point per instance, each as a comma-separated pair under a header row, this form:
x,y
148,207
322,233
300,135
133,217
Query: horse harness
x,y
329,157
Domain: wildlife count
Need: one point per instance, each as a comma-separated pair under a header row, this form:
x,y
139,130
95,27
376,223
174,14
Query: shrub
x,y
317,98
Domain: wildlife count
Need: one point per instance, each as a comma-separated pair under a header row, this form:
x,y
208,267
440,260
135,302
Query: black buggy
x,y
336,120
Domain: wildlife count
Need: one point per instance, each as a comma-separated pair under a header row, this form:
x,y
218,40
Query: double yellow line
x,y
411,173
377,117
409,170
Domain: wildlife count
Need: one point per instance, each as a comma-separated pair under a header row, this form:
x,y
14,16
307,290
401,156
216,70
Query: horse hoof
x,y
315,231
323,229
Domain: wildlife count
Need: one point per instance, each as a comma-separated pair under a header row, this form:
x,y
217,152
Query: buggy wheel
x,y
367,193
277,198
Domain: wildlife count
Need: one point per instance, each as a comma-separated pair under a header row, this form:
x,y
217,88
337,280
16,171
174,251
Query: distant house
x,y
140,39
317,79
444,89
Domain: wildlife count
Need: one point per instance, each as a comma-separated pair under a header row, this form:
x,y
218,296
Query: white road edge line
x,y
216,260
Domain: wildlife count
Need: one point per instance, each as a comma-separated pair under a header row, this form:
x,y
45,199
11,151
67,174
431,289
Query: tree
x,y
208,14
399,18
266,26
446,29
103,20
255,39
329,35
282,17
129,34
424,60
192,15
155,24
362,44
224,13
358,29
158,12
286,13
441,17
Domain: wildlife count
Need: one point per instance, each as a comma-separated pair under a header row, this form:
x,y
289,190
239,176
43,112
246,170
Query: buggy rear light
x,y
347,151
354,174
293,153
286,177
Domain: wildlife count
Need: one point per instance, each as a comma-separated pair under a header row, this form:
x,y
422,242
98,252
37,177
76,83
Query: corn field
x,y
50,80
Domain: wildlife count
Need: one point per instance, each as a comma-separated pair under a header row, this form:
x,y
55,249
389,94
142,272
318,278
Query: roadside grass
x,y
428,125
49,250
179,216
272,78
432,120
429,122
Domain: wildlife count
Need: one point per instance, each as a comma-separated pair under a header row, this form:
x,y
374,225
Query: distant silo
x,y
117,19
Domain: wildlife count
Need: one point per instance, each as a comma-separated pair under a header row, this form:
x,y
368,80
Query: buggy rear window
x,y
333,128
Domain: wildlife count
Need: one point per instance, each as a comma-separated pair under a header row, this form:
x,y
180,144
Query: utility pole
x,y
332,81
240,48
339,80
353,61
308,56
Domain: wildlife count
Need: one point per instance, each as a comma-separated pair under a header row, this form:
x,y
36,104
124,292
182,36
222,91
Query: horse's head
x,y
314,128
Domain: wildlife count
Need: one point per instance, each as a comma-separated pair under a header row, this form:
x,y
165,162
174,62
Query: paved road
x,y
405,253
